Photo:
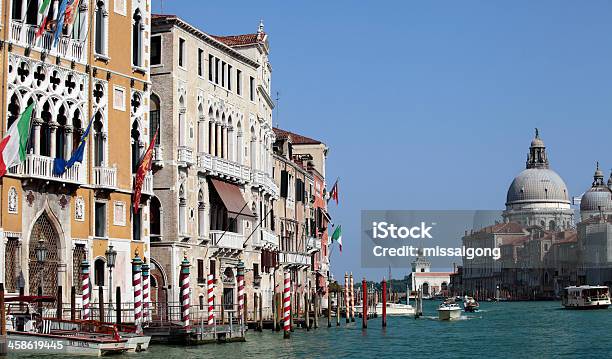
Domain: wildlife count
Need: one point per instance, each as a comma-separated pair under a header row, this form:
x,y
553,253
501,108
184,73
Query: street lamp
x,y
111,257
41,257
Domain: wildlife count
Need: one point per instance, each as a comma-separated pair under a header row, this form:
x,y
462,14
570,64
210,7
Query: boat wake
x,y
462,317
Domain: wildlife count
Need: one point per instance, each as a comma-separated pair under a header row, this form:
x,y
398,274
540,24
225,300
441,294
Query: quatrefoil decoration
x,y
23,71
98,92
55,80
70,83
40,76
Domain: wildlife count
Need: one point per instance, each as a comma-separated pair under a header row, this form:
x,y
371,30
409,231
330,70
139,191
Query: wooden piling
x,y
59,301
307,309
274,313
72,303
329,307
384,303
222,310
260,299
364,305
3,337
101,303
315,310
118,305
337,309
245,310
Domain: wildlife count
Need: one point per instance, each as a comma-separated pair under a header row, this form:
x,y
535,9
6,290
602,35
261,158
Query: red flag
x,y
333,194
143,169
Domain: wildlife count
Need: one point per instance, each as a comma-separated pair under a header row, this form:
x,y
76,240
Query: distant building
x,y
431,283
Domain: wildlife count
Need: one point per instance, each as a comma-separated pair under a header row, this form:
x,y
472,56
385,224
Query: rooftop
x,y
296,139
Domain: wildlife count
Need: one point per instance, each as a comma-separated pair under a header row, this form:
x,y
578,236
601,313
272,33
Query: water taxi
x,y
449,310
393,309
586,297
470,304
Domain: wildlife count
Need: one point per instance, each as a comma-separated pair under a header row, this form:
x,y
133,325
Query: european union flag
x,y
60,165
61,15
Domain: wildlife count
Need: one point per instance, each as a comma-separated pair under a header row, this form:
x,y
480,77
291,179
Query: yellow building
x,y
97,69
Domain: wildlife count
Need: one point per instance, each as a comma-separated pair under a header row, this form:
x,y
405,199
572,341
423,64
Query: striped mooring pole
x,y
352,297
185,290
287,306
145,290
85,288
137,284
240,277
211,299
347,304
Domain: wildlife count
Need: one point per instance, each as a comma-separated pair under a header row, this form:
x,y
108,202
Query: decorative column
x,y
287,306
52,130
211,299
230,144
240,278
136,282
218,139
185,290
85,288
202,134
239,147
68,131
145,290
37,124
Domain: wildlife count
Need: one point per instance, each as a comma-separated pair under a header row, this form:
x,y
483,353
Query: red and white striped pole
x,y
145,291
137,284
185,291
352,297
211,299
287,306
85,288
240,277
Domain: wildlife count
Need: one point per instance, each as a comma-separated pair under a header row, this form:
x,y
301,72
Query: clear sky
x,y
432,104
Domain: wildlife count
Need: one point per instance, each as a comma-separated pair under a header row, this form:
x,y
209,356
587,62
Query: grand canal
x,y
509,330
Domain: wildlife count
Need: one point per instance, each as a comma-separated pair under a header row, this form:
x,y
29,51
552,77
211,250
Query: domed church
x,y
598,198
538,195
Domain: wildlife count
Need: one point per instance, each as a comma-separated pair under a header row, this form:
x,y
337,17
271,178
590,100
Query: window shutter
x,y
298,187
284,184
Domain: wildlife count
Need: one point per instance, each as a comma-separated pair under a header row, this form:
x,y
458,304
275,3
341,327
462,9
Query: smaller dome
x,y
596,199
537,142
599,196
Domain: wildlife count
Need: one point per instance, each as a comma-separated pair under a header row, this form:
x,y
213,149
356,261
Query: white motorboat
x,y
393,309
470,304
586,297
449,310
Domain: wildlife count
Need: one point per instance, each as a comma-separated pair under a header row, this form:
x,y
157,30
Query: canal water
x,y
505,329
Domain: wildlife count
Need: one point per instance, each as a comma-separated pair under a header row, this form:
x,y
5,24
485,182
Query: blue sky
x,y
432,104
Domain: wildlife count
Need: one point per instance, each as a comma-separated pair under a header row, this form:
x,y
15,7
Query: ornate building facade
x,y
84,75
214,190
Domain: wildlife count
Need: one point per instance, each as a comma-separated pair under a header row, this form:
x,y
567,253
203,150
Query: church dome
x,y
598,197
537,185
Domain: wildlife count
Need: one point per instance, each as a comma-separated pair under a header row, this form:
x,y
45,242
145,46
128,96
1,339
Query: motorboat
x,y
586,297
449,310
49,335
393,309
470,304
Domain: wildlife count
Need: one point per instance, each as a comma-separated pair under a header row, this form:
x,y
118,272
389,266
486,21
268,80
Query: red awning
x,y
232,198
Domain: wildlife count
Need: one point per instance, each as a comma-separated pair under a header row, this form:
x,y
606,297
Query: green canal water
x,y
508,330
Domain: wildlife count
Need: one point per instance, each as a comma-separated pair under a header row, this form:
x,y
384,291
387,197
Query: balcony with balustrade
x,y
41,167
229,244
23,34
147,184
265,238
223,168
185,156
265,182
313,244
105,177
294,259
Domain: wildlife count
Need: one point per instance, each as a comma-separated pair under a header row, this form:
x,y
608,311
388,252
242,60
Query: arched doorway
x,y
425,289
228,288
44,274
158,293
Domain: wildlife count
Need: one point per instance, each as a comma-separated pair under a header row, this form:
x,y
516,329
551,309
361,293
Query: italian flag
x,y
337,236
13,145
44,11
